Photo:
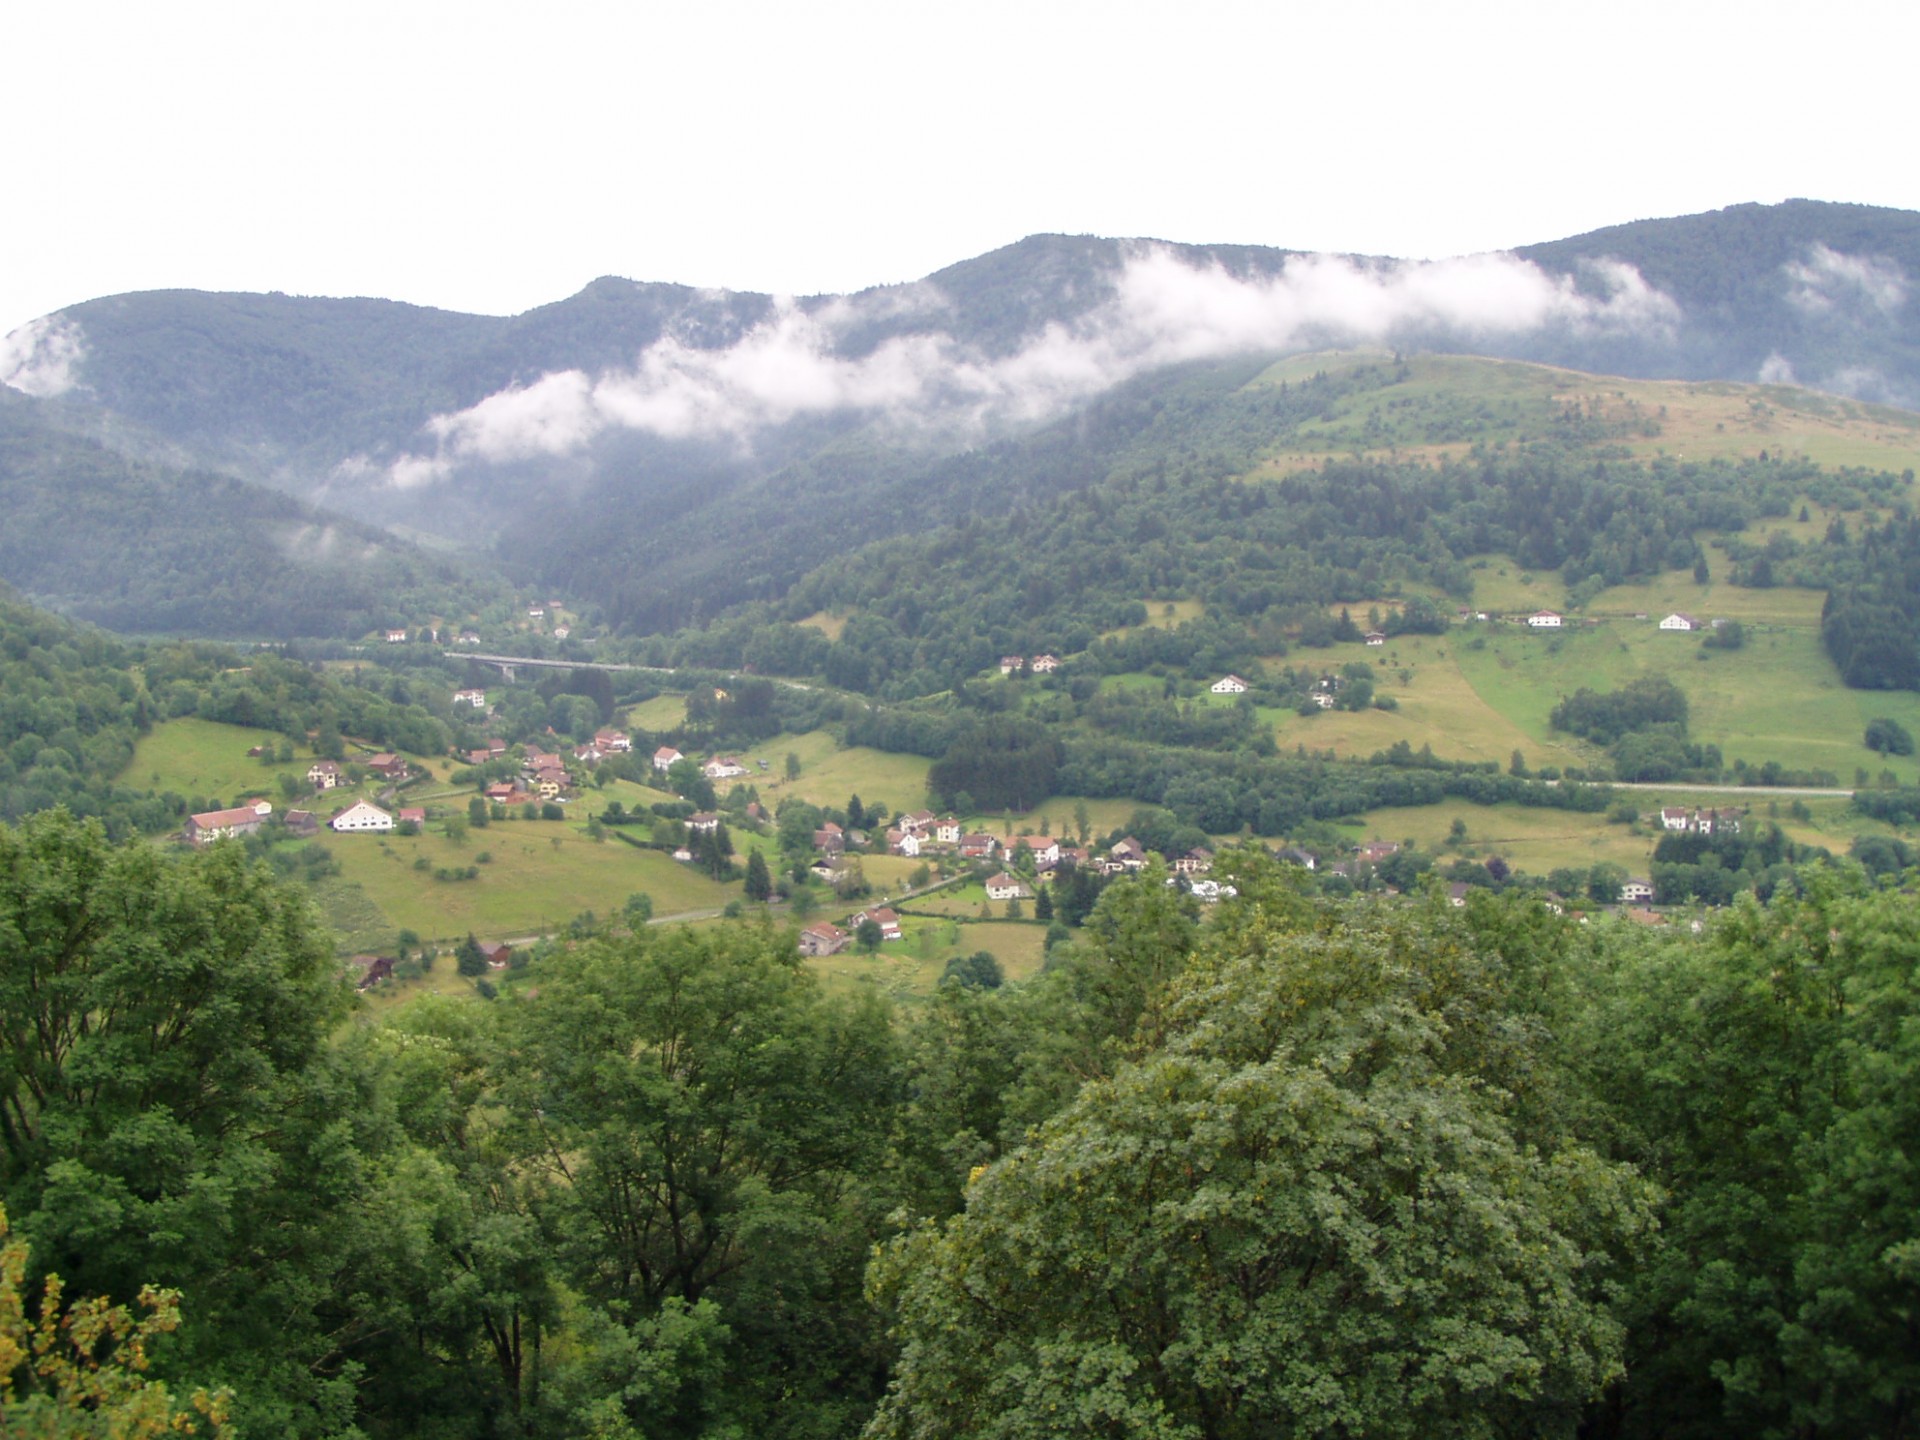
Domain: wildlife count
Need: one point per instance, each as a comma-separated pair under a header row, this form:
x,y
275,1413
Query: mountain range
x,y
662,451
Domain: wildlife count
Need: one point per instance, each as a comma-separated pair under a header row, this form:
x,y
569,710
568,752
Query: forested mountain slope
x,y
666,451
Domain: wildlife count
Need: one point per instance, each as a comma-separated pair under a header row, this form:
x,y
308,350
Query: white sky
x,y
493,157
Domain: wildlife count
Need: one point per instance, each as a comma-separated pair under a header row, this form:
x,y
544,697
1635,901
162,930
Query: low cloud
x,y
1163,310
42,358
1828,282
1776,369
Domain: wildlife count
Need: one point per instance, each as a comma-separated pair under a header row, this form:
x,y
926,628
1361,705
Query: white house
x,y
1044,664
1376,637
1545,620
1636,892
1678,621
1675,819
325,774
1230,685
664,757
396,636
361,816
476,698
723,767
1005,887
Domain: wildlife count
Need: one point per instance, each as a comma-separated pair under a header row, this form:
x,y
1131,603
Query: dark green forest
x,y
1291,1166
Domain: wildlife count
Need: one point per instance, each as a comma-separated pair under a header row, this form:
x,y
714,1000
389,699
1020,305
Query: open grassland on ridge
x,y
1447,403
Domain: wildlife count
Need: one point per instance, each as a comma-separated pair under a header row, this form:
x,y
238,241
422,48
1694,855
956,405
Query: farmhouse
x,y
413,814
664,757
886,919
1045,850
325,774
822,938
1376,637
1196,861
390,767
301,823
496,955
1005,887
703,822
1230,685
1678,621
396,636
903,842
978,847
1011,663
1545,620
476,698
212,825
829,839
1044,664
1636,892
361,816
1674,818
722,767
614,742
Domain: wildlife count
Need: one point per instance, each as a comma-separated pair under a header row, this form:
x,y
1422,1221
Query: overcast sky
x,y
496,157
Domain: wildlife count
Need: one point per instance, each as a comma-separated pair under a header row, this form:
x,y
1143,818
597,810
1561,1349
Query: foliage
x,y
79,1371
1310,1206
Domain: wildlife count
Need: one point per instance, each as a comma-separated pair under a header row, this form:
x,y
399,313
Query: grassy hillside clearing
x,y
1447,403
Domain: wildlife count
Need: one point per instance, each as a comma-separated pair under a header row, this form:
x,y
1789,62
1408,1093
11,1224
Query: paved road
x,y
601,665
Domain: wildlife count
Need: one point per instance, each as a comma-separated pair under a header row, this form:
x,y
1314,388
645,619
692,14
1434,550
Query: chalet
x,y
552,781
829,839
502,792
703,822
301,823
1375,637
1680,622
1006,887
1044,664
822,938
396,636
886,919
476,698
1637,892
1197,861
1230,685
1012,663
1126,855
212,825
614,742
361,817
664,757
1045,851
388,767
722,767
947,830
918,823
1545,620
414,814
978,847
497,955
903,842
325,774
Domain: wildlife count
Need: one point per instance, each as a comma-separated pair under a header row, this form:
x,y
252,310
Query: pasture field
x,y
828,622
542,874
829,774
663,712
1528,839
1446,403
204,757
909,969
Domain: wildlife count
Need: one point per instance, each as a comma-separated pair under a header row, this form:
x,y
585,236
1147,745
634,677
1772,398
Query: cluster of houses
x,y
1033,665
1701,822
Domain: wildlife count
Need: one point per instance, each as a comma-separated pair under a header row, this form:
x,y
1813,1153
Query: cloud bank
x,y
1828,282
1163,311
42,358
